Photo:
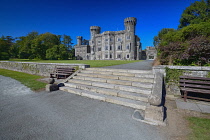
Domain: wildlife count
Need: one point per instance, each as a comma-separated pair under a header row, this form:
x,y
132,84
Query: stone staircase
x,y
129,88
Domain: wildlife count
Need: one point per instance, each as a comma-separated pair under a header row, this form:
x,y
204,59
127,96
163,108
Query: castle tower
x,y
130,28
94,30
79,40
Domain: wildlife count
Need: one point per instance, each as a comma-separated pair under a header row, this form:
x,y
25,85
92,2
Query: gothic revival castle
x,y
111,45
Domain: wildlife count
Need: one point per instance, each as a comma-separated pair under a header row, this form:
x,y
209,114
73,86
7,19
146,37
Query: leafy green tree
x,y
5,45
57,52
67,41
24,44
72,54
14,51
157,39
43,42
197,12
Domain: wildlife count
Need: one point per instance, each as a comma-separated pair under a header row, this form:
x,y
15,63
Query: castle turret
x,y
130,25
94,30
79,40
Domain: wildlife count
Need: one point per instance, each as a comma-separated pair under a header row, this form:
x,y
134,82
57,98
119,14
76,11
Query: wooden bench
x,y
196,85
62,72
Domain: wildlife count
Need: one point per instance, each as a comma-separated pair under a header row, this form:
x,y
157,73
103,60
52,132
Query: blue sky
x,y
74,17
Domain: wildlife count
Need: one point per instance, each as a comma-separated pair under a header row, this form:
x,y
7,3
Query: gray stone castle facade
x,y
111,45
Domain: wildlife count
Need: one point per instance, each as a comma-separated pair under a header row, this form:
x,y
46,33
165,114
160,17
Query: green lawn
x,y
92,63
200,128
26,79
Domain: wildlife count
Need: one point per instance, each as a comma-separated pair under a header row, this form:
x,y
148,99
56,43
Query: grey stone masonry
x,y
199,71
126,87
43,69
138,89
111,45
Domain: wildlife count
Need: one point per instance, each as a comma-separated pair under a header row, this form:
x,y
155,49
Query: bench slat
x,y
62,72
196,98
194,78
195,90
194,82
194,86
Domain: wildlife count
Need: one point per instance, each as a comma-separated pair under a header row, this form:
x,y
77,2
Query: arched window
x,y
128,47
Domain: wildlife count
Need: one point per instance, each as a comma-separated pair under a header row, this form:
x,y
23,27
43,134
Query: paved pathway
x,y
142,65
26,115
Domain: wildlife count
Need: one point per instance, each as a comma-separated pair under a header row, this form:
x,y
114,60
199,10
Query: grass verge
x,y
200,128
26,79
92,63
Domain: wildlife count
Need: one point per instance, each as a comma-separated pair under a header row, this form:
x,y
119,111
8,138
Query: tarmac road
x,y
142,65
26,115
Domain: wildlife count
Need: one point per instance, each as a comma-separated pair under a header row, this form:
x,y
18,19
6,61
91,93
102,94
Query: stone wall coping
x,y
195,68
46,63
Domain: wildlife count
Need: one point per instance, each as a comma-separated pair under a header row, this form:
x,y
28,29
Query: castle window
x,y
110,56
111,39
106,39
99,49
119,47
128,28
110,47
118,56
128,37
106,47
99,41
128,56
128,47
106,56
119,39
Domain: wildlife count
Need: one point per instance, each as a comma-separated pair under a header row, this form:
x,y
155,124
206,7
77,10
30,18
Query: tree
x,y
72,54
157,39
5,45
197,12
42,43
57,52
67,41
24,43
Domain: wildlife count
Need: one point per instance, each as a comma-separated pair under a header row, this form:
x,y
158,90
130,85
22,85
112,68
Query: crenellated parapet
x,y
79,37
95,28
130,20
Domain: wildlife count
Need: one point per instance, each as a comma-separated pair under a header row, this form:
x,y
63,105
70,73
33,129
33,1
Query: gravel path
x,y
142,65
27,115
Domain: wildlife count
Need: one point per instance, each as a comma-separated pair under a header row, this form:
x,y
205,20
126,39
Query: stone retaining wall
x,y
196,71
43,69
199,71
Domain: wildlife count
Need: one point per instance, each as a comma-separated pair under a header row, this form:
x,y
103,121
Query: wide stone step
x,y
110,86
117,77
107,98
120,70
112,81
142,75
113,92
109,73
